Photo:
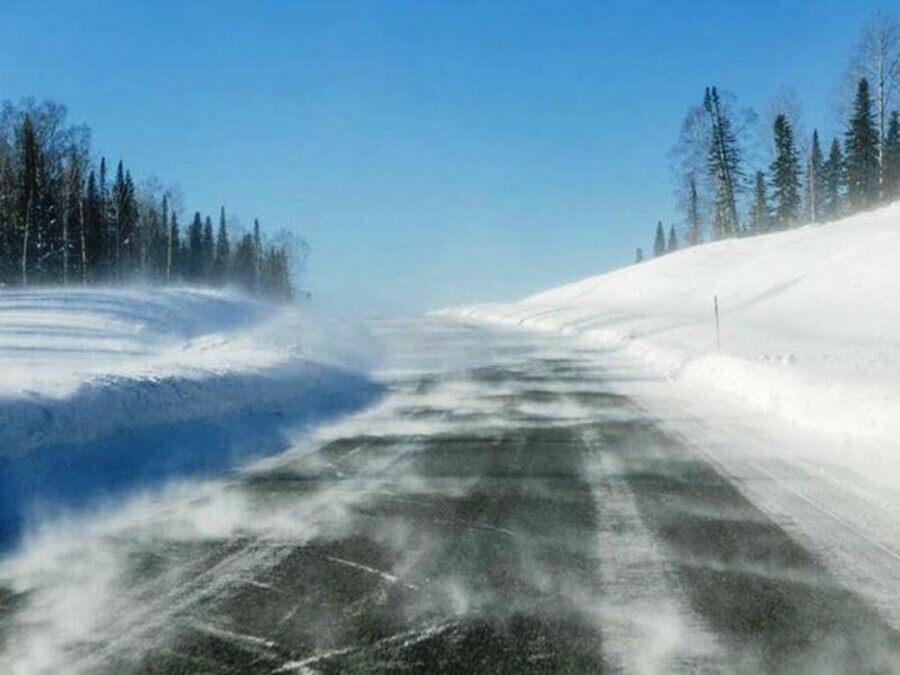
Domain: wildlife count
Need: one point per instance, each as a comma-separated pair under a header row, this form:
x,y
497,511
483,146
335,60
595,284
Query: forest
x,y
65,220
736,175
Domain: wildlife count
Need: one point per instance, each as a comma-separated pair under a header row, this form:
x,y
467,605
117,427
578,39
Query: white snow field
x,y
800,406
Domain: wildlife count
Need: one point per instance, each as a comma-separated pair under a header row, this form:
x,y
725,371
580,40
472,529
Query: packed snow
x,y
809,321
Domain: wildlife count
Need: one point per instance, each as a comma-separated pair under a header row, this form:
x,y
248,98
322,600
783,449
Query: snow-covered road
x,y
515,503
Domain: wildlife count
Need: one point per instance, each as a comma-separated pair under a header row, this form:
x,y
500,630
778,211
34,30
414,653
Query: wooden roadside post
x,y
718,334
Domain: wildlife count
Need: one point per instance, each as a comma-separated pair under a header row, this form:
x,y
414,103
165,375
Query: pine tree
x,y
244,265
167,225
724,162
129,225
176,250
73,224
862,151
814,183
257,252
152,240
785,172
892,158
833,182
209,250
639,255
123,223
695,222
659,243
28,187
106,265
61,219
760,214
276,282
672,243
118,198
223,249
194,266
93,232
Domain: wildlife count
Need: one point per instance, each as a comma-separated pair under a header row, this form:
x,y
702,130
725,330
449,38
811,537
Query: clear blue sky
x,y
430,152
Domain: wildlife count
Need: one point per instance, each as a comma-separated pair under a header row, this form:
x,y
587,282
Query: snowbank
x,y
105,390
54,341
810,321
78,364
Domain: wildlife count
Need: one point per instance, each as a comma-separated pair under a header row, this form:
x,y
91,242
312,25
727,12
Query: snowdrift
x,y
105,390
810,321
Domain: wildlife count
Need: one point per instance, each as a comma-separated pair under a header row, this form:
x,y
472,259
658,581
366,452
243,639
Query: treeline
x,y
723,188
65,220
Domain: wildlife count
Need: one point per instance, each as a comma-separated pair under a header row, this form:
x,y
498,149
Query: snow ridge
x,y
107,390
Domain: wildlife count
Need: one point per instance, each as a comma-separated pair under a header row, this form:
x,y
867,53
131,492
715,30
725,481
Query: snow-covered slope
x,y
54,341
104,390
810,321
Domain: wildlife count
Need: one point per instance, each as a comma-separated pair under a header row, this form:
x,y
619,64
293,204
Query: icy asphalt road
x,y
504,509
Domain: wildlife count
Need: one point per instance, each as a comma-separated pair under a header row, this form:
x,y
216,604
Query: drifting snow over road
x,y
501,509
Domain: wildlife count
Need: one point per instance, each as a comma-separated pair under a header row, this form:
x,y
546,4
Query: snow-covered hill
x,y
810,321
103,390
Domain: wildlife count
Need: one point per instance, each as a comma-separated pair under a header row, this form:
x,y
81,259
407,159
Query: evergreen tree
x,y
814,182
38,149
724,163
176,249
760,214
28,188
129,224
276,282
62,220
659,243
672,243
833,182
107,263
223,249
244,266
8,249
209,250
124,209
639,255
152,240
117,206
93,230
862,151
257,252
695,222
877,59
194,266
892,159
169,249
785,174
73,223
